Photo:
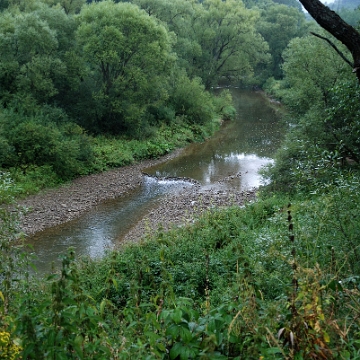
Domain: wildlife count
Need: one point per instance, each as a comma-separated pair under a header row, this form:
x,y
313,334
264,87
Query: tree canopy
x,y
129,57
336,26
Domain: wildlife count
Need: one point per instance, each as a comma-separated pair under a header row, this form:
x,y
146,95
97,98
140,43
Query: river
x,y
237,151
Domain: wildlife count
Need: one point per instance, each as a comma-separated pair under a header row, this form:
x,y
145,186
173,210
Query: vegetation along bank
x,y
91,86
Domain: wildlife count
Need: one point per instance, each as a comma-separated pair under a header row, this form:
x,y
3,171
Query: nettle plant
x,y
12,264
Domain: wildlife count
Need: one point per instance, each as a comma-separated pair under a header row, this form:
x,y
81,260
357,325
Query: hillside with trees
x,y
86,86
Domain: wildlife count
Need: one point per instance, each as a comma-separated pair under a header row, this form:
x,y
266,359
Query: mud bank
x,y
57,206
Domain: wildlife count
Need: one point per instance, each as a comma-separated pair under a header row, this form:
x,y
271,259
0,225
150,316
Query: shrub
x,y
36,141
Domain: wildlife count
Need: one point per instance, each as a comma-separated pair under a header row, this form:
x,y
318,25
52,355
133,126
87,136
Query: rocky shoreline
x,y
183,208
56,206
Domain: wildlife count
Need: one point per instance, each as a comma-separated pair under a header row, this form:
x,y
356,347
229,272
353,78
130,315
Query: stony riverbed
x,y
56,206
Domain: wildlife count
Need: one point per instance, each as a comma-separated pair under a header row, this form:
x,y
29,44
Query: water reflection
x,y
96,231
229,160
232,158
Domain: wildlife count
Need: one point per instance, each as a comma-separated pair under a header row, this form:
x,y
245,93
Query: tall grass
x,y
265,281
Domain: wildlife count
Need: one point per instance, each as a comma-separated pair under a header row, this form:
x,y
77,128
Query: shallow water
x,y
235,153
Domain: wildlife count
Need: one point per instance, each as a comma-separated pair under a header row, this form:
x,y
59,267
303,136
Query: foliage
x,y
13,266
220,288
322,141
34,58
278,25
196,109
342,121
311,68
37,141
115,40
215,39
267,281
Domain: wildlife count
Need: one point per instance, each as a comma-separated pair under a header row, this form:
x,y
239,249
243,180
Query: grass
x,y
268,281
111,152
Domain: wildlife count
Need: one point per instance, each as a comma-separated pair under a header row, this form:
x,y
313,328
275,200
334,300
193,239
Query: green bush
x,y
190,100
36,141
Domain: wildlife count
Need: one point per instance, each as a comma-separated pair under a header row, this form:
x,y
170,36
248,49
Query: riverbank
x,y
184,208
56,206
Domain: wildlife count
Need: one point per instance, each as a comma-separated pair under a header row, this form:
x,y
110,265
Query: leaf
x,y
176,350
176,316
78,345
326,337
173,331
184,352
160,346
185,333
115,283
272,351
102,306
335,285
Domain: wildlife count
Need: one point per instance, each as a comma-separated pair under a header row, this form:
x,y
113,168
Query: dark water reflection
x,y
235,154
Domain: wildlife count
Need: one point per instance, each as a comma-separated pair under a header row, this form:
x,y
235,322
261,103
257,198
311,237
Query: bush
x,y
198,108
36,141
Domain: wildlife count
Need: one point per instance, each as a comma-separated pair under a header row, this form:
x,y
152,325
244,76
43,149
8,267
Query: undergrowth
x,y
113,152
274,280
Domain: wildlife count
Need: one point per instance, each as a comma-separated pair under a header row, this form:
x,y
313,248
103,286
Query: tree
x,y
311,69
128,56
279,24
35,61
222,42
215,39
230,45
28,141
72,6
336,26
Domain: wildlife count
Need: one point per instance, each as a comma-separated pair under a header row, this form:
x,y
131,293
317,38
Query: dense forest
x,y
86,86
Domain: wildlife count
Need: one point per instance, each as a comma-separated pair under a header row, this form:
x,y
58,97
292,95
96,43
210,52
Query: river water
x,y
239,149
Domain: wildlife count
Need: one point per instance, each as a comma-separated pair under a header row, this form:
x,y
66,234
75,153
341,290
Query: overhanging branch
x,y
335,48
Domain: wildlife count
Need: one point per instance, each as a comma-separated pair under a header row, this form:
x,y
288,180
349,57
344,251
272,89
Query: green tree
x,y
230,47
4,4
352,17
198,108
215,39
128,56
35,62
311,69
337,27
69,6
28,141
279,24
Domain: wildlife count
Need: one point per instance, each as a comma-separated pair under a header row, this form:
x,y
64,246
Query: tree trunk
x,y
337,27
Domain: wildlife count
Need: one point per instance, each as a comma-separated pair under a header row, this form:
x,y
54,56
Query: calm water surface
x,y
238,150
